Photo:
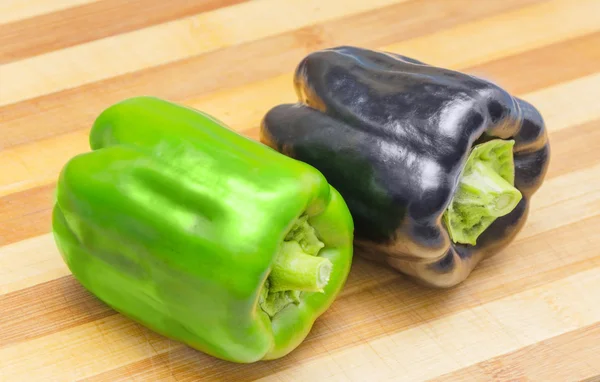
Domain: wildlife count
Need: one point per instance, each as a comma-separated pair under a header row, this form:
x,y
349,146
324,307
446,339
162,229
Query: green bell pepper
x,y
201,234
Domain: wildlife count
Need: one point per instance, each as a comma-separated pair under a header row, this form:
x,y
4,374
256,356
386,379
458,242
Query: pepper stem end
x,y
295,270
485,191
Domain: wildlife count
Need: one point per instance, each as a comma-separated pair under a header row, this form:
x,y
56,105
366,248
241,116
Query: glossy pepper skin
x,y
393,135
176,221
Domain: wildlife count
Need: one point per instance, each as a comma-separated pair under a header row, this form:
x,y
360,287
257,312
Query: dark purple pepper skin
x,y
393,134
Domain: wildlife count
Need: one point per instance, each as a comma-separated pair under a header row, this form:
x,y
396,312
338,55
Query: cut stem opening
x,y
485,191
297,268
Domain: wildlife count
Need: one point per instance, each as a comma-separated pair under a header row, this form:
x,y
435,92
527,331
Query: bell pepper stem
x,y
484,193
296,270
484,187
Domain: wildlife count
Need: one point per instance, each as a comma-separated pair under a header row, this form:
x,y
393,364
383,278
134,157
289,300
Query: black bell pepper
x,y
437,167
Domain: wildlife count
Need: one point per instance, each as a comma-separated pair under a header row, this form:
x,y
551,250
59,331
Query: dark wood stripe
x,y
47,308
543,67
538,362
27,213
88,22
47,115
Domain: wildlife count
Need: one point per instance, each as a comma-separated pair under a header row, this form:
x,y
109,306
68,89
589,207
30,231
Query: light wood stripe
x,y
562,190
169,42
562,106
536,362
562,143
22,39
30,262
38,163
13,10
246,63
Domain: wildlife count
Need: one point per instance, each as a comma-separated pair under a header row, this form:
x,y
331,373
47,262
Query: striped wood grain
x,y
529,313
92,21
246,62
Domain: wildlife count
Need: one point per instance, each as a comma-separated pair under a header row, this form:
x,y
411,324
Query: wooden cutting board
x,y
530,313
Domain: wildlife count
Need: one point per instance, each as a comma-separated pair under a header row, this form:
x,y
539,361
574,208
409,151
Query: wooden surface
x,y
530,313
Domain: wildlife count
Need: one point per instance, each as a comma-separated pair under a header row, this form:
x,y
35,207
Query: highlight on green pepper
x,y
200,234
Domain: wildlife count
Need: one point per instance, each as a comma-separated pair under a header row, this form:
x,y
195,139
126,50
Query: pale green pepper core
x,y
485,191
297,268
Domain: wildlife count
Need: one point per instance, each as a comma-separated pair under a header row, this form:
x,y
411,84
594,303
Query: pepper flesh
x,y
394,135
177,222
